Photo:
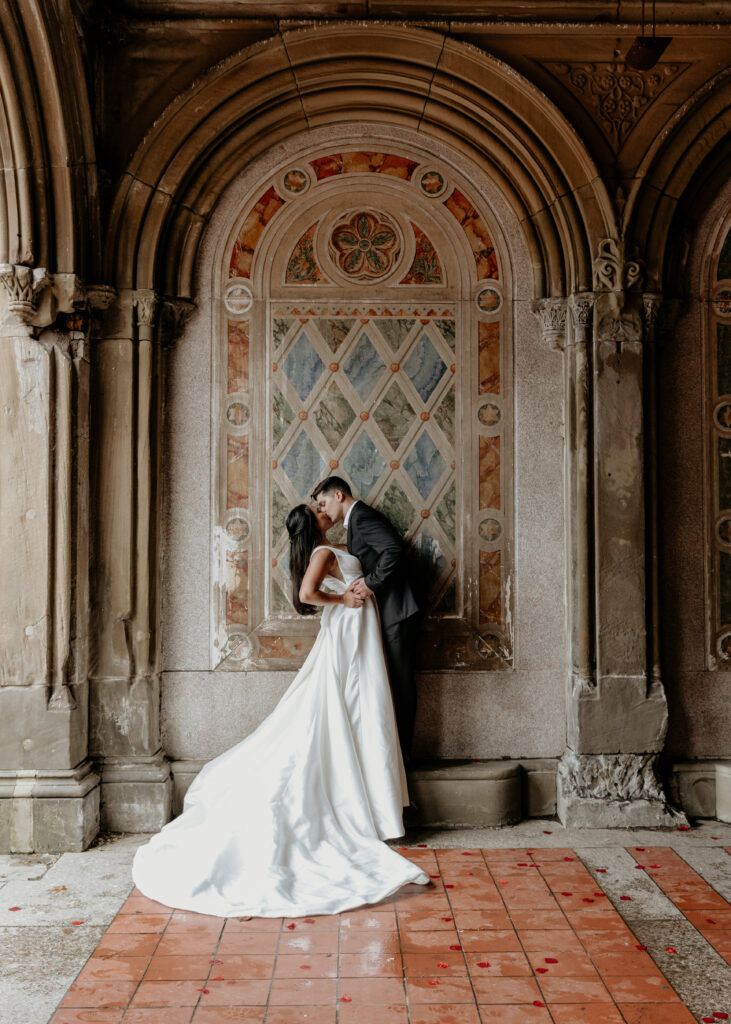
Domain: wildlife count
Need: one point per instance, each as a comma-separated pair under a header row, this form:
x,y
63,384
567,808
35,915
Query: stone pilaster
x,y
49,796
125,677
617,712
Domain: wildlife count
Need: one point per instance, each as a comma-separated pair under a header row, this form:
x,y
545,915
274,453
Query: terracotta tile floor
x,y
500,936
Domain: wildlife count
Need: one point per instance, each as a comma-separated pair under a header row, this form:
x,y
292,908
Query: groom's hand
x,y
351,599
361,589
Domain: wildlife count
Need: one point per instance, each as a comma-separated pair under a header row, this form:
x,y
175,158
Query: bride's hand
x,y
352,600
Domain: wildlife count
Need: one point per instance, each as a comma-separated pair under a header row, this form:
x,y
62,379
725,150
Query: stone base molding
x,y
43,811
136,793
611,791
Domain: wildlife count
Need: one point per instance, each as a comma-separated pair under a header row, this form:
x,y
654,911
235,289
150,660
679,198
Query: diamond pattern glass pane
x,y
447,331
446,514
424,367
395,331
394,415
396,506
303,464
364,464
280,511
334,415
364,367
444,415
280,328
303,366
282,415
425,465
333,332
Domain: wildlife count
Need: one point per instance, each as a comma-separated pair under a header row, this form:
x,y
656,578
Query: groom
x,y
373,540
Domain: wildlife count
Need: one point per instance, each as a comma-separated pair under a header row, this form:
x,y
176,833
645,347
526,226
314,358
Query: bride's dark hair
x,y
304,536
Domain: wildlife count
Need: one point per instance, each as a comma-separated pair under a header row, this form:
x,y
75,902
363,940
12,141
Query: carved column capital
x,y
21,288
101,296
551,315
174,315
145,302
651,304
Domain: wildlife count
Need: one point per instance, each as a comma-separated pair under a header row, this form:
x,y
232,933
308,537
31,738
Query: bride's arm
x,y
317,570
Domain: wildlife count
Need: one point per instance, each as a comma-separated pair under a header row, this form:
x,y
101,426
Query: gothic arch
x,y
307,78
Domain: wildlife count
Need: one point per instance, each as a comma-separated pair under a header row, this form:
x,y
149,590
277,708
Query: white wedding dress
x,y
291,821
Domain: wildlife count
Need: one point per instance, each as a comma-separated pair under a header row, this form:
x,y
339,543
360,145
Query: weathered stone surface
x,y
47,811
617,715
605,791
36,735
136,795
124,716
693,787
723,791
483,794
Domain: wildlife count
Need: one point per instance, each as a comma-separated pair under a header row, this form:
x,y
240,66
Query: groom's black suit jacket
x,y
373,540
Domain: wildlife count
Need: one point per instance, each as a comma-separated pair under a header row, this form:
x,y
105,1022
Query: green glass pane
x,y
280,328
395,331
394,416
447,330
724,262
724,472
446,513
444,415
723,350
280,511
334,415
282,416
334,332
396,506
280,602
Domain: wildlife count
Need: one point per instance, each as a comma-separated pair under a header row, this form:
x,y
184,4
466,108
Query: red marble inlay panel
x,y
490,587
237,472
285,646
489,472
361,162
302,266
256,220
426,267
489,359
237,587
238,356
477,235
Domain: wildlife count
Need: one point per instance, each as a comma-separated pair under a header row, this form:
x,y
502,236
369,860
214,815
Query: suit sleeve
x,y
383,539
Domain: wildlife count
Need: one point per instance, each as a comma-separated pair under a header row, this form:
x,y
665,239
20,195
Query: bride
x,y
291,821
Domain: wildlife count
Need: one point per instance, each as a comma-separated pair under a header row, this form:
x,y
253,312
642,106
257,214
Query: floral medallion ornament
x,y
237,529
722,304
432,183
489,300
365,246
295,181
490,530
724,646
723,529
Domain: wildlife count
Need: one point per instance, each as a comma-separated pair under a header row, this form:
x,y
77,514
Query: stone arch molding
x,y
309,78
363,325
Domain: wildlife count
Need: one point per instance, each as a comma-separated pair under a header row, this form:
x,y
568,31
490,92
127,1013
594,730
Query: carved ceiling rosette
x,y
365,245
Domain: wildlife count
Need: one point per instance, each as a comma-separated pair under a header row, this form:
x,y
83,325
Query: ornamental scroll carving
x,y
615,94
609,776
613,271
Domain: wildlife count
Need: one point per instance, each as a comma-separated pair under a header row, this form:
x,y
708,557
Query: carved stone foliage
x,y
615,270
551,315
21,288
609,776
615,94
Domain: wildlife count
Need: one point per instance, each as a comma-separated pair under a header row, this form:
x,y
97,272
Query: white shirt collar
x,y
347,514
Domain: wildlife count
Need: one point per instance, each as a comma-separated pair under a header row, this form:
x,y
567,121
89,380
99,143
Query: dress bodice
x,y
349,566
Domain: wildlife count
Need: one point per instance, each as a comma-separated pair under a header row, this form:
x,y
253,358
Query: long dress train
x,y
291,821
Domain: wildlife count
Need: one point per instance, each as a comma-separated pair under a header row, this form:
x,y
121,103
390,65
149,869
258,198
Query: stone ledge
x,y
49,811
702,788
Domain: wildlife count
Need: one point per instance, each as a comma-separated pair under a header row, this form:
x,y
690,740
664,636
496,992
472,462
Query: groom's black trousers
x,y
400,641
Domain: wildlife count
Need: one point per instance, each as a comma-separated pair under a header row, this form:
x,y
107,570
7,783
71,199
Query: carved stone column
x,y
49,795
617,713
125,676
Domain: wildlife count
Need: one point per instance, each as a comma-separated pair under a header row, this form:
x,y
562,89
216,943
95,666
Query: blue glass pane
x,y
303,464
424,367
303,366
364,465
424,465
364,367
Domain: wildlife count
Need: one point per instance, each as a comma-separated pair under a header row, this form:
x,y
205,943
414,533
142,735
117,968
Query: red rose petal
x,y
654,865
707,1020
602,871
433,981
77,922
469,872
547,832
291,927
641,849
715,837
466,853
625,897
442,964
550,959
305,967
447,919
216,979
448,886
309,920
522,864
670,949
639,867
455,947
215,961
587,899
537,1002
15,908
422,846
434,876
346,999
483,963
598,893
567,894
710,920
203,990
640,947
568,858
683,828
720,1015
541,970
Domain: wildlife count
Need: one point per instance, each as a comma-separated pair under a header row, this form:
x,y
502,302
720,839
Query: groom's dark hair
x,y
331,484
